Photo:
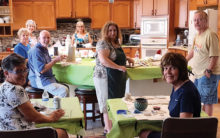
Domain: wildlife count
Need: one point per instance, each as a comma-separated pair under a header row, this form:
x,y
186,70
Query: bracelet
x,y
209,71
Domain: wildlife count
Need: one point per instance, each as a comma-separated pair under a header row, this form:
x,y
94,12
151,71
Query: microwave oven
x,y
154,26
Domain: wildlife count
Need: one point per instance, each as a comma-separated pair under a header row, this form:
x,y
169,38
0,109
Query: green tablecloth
x,y
144,73
73,119
82,73
129,127
75,74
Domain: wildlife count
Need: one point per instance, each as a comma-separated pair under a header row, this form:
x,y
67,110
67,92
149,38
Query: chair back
x,y
190,127
31,133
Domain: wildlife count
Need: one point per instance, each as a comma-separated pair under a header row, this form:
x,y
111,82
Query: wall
x,y
63,29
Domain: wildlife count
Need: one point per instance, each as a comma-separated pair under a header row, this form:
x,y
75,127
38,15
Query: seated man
x,y
40,64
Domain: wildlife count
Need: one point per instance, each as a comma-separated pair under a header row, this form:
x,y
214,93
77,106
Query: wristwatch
x,y
209,71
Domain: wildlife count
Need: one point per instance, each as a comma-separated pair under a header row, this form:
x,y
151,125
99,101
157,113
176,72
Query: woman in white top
x,y
17,112
31,26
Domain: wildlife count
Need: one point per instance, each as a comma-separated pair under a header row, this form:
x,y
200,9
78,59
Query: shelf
x,y
5,24
5,31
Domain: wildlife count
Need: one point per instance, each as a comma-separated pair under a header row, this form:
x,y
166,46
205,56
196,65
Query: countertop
x,y
185,48
123,46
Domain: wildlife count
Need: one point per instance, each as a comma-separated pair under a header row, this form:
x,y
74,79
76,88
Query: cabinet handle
x,y
152,12
155,11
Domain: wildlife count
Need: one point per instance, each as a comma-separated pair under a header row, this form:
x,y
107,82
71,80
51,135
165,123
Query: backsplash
x,y
63,29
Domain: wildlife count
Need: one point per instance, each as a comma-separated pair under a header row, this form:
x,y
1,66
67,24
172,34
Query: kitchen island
x,y
144,80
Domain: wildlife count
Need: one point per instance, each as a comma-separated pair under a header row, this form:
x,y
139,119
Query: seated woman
x,y
31,26
23,47
81,36
17,112
184,99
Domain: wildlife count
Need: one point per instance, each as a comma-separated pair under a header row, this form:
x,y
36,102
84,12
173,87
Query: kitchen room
x,y
60,19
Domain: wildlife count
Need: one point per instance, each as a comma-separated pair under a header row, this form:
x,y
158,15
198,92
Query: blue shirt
x,y
38,57
22,50
185,99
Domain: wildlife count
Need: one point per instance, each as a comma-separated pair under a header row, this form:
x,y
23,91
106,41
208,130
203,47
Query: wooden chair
x,y
31,133
190,127
35,93
88,96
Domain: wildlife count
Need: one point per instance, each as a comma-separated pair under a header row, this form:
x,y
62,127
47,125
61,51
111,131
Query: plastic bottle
x,y
137,55
56,102
67,41
45,98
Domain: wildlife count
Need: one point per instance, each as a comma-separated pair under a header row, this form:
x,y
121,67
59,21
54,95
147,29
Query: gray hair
x,y
30,22
22,31
203,14
11,61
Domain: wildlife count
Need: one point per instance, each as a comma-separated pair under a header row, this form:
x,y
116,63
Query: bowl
x,y
140,104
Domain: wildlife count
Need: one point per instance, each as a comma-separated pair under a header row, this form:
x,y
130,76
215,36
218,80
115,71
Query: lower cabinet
x,y
130,51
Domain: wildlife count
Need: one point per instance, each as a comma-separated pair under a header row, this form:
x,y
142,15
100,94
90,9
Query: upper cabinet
x,y
181,13
72,8
102,11
42,12
155,7
202,3
63,9
149,8
6,19
124,18
137,13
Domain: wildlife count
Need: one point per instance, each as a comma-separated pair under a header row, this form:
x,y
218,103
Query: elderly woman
x,y
23,46
17,112
31,26
81,36
184,99
110,71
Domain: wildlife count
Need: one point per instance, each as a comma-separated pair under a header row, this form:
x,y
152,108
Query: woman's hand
x,y
56,115
122,68
130,61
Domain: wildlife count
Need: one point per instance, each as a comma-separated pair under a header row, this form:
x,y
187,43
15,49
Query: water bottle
x,y
45,98
136,57
56,102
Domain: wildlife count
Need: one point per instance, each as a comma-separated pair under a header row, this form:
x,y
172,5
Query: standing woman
x,y
81,36
110,71
31,26
23,46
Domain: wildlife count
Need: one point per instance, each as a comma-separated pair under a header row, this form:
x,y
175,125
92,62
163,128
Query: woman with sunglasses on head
x,y
81,36
17,112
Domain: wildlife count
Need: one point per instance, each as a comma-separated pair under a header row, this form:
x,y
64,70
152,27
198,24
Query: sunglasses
x,y
22,71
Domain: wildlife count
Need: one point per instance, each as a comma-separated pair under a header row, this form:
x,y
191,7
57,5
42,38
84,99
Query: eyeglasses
x,y
22,71
80,26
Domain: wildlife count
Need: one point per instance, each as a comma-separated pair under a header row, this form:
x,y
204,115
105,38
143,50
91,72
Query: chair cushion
x,y
82,90
32,89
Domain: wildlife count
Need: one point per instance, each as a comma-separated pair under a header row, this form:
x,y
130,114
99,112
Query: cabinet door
x,y
100,13
44,15
127,51
137,13
22,11
201,3
212,2
121,13
81,8
161,7
147,7
63,9
181,13
192,4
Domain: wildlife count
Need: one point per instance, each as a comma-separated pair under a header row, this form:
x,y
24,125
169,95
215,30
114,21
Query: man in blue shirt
x,y
40,64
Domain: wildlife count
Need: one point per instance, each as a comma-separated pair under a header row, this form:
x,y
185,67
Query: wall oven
x,y
150,46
